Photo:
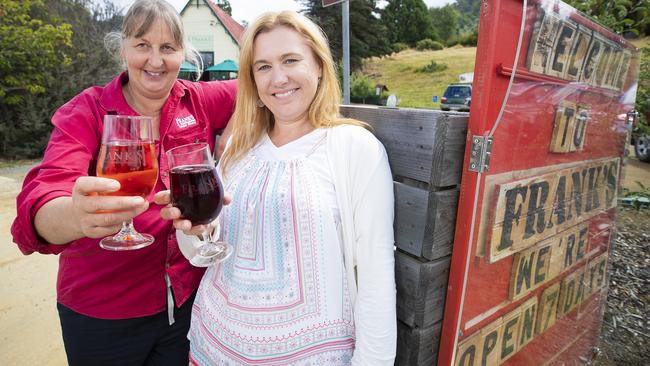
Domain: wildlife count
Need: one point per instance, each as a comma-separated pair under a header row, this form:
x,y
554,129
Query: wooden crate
x,y
423,145
421,289
425,150
417,346
425,220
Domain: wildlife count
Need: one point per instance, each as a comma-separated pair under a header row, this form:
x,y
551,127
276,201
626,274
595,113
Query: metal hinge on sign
x,y
479,160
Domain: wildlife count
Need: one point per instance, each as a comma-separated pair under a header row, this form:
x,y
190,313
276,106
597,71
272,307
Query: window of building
x,y
208,59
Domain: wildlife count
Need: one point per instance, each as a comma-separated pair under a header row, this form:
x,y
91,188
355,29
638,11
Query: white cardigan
x,y
364,193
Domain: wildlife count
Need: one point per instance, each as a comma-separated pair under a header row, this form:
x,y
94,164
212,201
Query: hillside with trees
x,y
368,35
48,54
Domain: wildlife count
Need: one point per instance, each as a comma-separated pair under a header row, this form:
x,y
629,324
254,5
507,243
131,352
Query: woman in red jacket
x,y
129,307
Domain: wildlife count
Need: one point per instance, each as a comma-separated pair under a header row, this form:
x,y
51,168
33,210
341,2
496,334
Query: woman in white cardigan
x,y
311,280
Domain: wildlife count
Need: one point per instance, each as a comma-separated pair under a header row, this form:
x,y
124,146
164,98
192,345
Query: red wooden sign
x,y
528,276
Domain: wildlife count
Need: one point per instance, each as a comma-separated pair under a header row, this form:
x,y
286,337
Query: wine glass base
x,y
211,253
116,243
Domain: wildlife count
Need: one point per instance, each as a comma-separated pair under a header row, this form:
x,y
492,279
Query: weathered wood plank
x,y
421,289
449,150
425,221
417,346
425,145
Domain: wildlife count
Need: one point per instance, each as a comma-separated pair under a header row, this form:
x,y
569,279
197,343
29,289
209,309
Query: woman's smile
x,y
285,94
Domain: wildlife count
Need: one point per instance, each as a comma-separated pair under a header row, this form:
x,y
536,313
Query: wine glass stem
x,y
127,226
208,236
128,231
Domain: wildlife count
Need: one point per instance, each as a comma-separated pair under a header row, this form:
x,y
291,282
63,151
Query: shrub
x,y
361,87
451,42
399,47
469,39
428,44
432,67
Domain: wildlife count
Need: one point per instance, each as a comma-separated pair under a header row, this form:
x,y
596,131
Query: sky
x,y
248,10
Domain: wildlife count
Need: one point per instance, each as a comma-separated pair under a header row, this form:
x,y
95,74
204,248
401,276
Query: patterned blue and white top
x,y
282,297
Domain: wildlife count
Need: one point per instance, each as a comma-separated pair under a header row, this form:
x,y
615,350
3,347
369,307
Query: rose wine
x,y
196,191
133,164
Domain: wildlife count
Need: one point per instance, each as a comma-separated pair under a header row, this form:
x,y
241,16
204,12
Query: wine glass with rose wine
x,y
128,155
197,192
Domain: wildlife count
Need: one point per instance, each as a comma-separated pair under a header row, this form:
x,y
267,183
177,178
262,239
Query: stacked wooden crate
x,y
425,149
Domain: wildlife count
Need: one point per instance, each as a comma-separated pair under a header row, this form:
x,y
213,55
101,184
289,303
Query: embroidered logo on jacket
x,y
186,121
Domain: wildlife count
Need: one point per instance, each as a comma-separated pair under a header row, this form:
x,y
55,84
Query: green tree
x,y
225,6
445,22
367,33
620,15
407,21
643,92
30,47
469,11
25,126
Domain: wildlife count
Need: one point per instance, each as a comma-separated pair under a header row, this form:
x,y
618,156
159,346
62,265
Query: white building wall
x,y
206,33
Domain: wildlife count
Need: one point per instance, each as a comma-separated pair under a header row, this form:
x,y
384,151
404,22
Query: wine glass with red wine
x,y
128,155
198,193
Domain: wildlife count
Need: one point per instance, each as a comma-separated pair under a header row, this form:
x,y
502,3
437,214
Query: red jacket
x,y
98,282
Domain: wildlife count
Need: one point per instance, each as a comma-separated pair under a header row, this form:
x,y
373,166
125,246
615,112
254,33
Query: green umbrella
x,y
188,67
225,66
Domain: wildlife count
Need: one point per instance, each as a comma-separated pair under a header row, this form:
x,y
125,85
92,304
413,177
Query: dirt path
x,y
30,327
636,171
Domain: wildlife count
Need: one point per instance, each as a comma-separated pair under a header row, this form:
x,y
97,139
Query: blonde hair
x,y
140,17
250,121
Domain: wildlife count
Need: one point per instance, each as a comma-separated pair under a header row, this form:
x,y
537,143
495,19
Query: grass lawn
x,y
415,89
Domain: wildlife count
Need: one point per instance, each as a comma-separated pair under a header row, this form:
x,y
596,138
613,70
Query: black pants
x,y
138,341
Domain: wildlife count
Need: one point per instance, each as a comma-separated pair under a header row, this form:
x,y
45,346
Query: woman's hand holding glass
x,y
195,201
98,216
173,213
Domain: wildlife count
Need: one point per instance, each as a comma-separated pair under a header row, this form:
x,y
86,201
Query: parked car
x,y
640,137
641,142
457,97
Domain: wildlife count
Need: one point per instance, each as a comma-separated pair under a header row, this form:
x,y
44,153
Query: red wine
x,y
133,164
197,192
